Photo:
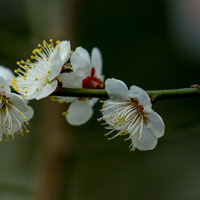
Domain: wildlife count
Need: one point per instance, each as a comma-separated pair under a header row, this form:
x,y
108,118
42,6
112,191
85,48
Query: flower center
x,y
92,82
125,117
3,100
12,119
135,104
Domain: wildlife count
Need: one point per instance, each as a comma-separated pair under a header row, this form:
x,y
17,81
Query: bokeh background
x,y
153,44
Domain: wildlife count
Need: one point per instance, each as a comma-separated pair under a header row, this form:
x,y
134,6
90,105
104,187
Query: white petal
x,y
80,61
29,112
46,90
31,96
71,80
142,96
147,141
155,124
17,101
116,89
96,59
93,101
79,112
101,77
6,74
4,85
64,48
56,66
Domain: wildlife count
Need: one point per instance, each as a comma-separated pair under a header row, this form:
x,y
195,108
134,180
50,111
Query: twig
x,y
155,95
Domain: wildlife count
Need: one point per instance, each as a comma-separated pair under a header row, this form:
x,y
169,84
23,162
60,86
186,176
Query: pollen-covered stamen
x,y
127,117
92,82
66,68
33,74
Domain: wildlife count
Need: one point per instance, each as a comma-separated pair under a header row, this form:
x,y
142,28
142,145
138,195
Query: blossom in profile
x,y
86,73
129,112
14,112
37,78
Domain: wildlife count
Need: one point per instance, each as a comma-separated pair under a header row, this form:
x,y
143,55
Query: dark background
x,y
152,44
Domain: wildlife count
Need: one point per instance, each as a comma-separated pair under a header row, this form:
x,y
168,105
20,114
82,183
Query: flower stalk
x,y
155,95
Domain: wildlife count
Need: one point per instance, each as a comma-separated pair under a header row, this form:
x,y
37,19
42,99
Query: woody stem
x,y
155,95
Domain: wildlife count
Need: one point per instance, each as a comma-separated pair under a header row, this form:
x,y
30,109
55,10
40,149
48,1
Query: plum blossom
x,y
87,73
14,112
129,112
38,78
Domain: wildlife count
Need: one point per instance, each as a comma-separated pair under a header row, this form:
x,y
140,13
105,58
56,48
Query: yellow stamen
x,y
64,114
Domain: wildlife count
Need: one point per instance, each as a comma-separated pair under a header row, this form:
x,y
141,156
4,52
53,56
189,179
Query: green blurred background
x,y
153,44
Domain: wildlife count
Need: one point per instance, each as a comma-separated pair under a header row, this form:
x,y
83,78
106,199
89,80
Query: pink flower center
x,y
92,82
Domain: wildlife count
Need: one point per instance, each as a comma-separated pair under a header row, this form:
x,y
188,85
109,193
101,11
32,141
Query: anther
x,y
52,98
132,149
63,113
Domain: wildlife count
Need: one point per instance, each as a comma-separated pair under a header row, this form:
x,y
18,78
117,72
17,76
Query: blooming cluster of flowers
x,y
53,67
45,73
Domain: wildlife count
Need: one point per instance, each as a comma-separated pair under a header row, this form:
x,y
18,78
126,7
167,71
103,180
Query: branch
x,y
72,92
155,95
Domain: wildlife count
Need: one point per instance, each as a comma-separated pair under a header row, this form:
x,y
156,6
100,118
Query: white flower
x,y
87,73
6,73
129,112
37,79
14,112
